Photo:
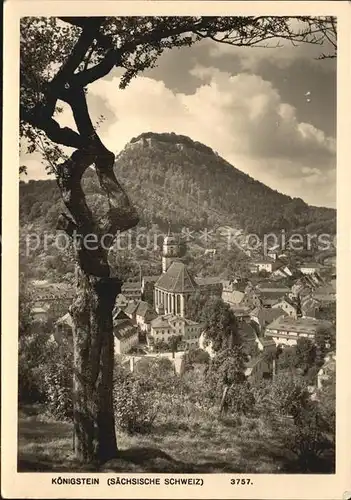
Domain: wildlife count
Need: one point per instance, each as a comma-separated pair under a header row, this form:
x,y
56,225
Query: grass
x,y
177,445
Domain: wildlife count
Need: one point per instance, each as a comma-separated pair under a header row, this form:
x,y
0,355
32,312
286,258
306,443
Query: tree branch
x,y
90,29
61,135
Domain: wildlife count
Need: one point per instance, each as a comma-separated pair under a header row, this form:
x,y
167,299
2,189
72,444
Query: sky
x,y
270,112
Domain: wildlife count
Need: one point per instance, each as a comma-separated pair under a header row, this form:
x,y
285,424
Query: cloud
x,y
278,52
242,117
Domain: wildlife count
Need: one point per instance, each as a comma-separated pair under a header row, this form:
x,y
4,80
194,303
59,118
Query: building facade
x,y
286,330
163,328
125,333
287,306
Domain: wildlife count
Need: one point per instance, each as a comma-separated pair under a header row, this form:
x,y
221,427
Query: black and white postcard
x,y
176,251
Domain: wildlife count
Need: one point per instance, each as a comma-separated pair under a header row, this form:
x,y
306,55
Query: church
x,y
176,283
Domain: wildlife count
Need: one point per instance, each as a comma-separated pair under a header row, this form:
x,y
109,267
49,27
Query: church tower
x,y
176,284
172,250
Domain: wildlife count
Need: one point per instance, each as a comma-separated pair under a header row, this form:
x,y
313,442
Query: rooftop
x,y
209,280
131,285
311,265
123,329
240,311
168,319
272,286
163,321
299,325
267,315
263,260
131,307
148,279
327,289
236,296
143,308
177,279
247,333
119,314
38,310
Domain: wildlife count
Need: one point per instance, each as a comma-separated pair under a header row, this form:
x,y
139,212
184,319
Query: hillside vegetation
x,y
173,180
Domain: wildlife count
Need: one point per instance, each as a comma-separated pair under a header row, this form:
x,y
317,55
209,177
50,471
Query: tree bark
x,y
93,234
94,424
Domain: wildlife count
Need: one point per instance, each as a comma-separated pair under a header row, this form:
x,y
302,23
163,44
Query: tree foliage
x,y
220,324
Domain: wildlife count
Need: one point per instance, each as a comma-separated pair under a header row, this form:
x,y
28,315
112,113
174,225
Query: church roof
x,y
177,279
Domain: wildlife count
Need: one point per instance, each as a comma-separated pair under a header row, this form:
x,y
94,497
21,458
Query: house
x,y
266,344
241,313
284,271
310,267
263,316
192,332
268,299
325,293
251,298
131,309
273,287
210,286
39,314
288,306
121,301
268,264
164,327
63,329
258,368
144,314
232,296
131,290
264,264
309,306
303,286
286,330
239,284
125,333
241,300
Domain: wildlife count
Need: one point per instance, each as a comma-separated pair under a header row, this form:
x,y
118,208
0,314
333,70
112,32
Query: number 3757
x,y
241,481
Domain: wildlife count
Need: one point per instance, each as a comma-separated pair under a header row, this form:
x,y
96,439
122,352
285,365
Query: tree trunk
x,y
92,235
94,424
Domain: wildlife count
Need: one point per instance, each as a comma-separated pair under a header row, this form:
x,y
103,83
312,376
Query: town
x,y
151,317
